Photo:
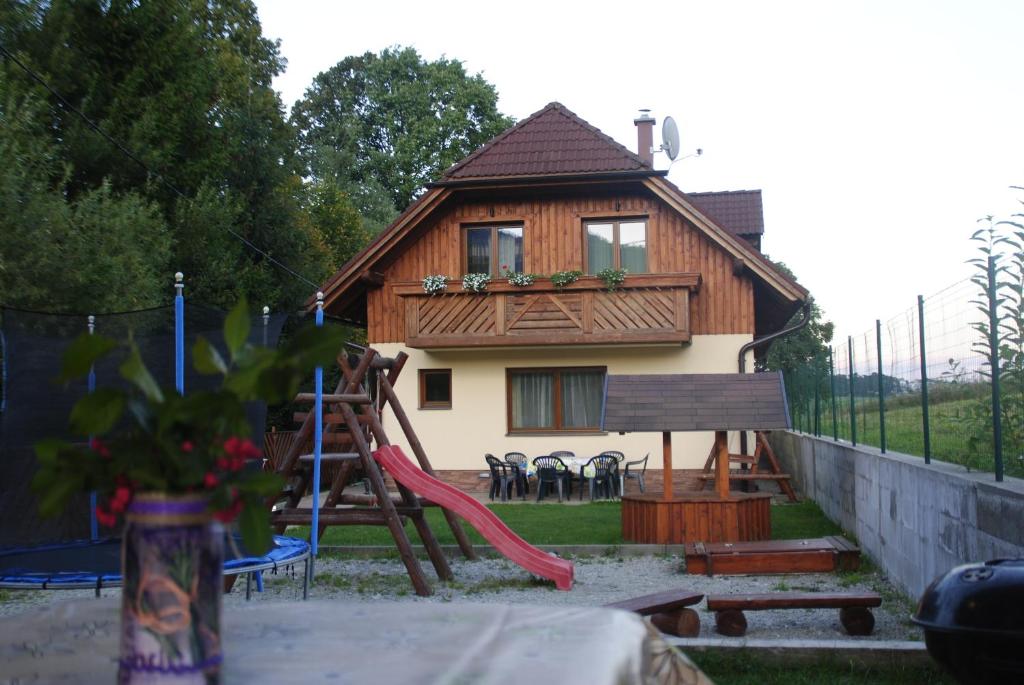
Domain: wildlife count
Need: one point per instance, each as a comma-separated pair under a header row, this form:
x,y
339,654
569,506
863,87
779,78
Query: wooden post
x,y
666,455
722,464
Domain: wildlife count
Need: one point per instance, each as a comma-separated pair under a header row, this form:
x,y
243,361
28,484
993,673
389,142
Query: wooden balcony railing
x,y
647,308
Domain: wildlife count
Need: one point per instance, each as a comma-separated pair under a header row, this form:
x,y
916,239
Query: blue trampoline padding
x,y
97,563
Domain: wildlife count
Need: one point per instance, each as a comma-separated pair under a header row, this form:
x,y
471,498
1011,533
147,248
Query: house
x,y
521,368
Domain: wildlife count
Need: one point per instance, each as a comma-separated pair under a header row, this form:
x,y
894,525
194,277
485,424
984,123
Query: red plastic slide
x,y
480,517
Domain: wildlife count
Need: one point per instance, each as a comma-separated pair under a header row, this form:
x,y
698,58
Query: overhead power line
x,y
128,153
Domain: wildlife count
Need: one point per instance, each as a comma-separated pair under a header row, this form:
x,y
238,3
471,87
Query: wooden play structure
x,y
750,467
696,402
350,421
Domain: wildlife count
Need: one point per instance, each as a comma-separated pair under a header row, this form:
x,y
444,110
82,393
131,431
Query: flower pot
x,y
171,560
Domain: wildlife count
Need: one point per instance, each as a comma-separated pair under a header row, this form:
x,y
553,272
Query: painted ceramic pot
x,y
172,560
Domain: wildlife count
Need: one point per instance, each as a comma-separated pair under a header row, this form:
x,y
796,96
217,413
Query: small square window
x,y
435,388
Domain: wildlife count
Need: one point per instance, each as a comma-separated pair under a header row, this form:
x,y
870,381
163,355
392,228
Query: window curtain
x,y
633,246
478,251
599,247
533,400
510,250
582,394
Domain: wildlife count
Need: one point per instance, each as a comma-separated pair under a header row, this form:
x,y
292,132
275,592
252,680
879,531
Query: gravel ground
x,y
599,580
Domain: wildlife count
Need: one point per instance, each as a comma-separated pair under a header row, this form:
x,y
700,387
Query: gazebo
x,y
717,402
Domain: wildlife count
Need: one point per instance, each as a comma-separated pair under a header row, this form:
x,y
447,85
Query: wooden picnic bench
x,y
854,608
812,555
668,611
763,449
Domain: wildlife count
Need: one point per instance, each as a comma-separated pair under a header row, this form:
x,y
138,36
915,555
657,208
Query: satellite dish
x,y
670,138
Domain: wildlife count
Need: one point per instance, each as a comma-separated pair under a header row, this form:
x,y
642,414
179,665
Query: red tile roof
x,y
551,142
739,211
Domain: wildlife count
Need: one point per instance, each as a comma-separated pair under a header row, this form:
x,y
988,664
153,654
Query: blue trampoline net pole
x,y
318,434
179,333
94,529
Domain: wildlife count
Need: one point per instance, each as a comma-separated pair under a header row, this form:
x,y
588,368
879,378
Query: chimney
x,y
645,136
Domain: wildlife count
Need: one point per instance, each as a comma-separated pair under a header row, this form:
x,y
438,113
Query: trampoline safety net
x,y
36,407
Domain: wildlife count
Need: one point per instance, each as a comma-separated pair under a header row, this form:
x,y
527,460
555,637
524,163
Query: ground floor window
x,y
567,399
435,388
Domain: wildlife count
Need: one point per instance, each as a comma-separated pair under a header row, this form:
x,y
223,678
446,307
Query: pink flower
x,y
122,497
105,517
97,446
187,446
210,480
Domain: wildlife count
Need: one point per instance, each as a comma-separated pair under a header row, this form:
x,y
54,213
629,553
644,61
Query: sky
x,y
878,132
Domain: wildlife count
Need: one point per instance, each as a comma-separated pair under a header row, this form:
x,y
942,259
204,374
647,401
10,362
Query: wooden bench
x,y
667,610
814,555
854,611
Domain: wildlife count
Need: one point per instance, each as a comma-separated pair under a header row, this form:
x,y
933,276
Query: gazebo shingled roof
x,y
695,402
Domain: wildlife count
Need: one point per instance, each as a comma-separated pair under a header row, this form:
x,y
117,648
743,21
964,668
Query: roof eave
x,y
546,178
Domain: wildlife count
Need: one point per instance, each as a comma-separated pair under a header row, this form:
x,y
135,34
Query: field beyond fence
x,y
920,383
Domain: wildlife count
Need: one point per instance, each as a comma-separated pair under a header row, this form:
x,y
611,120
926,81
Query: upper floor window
x,y
616,245
493,250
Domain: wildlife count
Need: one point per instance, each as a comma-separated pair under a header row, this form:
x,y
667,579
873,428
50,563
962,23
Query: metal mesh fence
x,y
942,409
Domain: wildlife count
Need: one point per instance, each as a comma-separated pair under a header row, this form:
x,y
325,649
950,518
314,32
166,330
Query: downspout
x,y
761,341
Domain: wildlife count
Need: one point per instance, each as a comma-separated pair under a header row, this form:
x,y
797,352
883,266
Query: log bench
x,y
667,610
854,608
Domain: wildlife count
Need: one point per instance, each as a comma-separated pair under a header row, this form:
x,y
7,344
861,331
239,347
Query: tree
x,y
99,252
382,126
803,347
185,86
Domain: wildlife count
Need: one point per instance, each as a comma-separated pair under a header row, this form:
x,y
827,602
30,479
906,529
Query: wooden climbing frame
x,y
351,421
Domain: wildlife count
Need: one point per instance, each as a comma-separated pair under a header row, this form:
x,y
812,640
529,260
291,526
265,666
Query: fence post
x,y
924,383
853,408
832,391
817,396
881,386
993,345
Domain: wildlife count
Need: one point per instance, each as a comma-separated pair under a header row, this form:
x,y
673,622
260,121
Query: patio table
x,y
76,642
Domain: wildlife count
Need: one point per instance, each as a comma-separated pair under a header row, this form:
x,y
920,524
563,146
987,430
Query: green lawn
x,y
904,432
743,669
597,523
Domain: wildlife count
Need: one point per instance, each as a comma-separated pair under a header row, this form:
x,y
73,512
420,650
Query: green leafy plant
x,y
612,278
520,280
435,284
148,438
561,279
475,283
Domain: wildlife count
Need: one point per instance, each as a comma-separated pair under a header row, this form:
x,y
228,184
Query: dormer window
x,y
493,249
616,245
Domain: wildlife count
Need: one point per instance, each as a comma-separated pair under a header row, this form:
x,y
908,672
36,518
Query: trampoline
x,y
71,551
96,564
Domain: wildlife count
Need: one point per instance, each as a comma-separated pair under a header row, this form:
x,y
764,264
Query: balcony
x,y
647,308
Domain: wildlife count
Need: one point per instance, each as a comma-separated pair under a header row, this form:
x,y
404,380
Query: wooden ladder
x,y
763,449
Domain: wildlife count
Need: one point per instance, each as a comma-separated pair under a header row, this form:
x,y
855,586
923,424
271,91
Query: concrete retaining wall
x,y
916,521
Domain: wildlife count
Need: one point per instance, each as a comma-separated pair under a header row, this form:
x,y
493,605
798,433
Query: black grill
x,y
973,618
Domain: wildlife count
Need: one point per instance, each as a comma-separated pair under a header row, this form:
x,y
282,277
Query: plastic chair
x,y
638,476
619,456
566,454
518,460
501,479
604,469
551,471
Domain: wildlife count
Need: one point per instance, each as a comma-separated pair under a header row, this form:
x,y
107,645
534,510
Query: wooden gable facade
x,y
549,175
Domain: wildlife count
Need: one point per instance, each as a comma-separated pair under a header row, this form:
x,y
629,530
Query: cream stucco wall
x,y
458,438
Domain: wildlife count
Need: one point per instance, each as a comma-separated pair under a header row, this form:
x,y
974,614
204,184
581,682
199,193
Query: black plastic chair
x,y
551,471
517,461
501,478
638,476
566,454
619,456
605,467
